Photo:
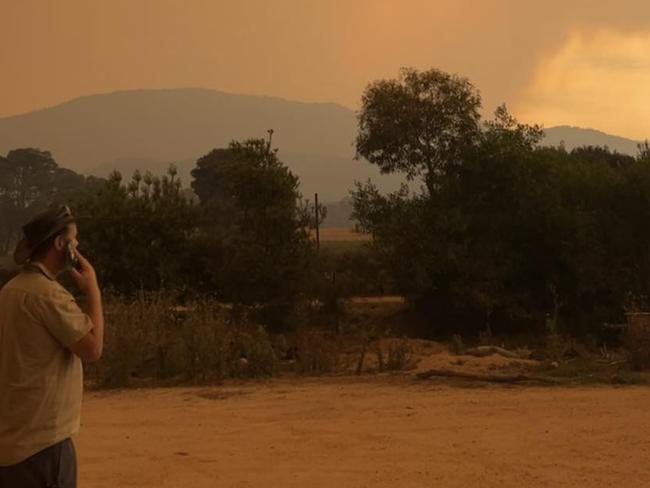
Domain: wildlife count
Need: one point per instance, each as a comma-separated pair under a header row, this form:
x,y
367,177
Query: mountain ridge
x,y
82,98
573,136
120,129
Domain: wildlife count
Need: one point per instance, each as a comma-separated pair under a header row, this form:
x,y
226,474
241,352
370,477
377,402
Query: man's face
x,y
72,235
61,242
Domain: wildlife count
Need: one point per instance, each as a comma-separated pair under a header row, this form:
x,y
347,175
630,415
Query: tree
x,y
443,247
419,124
139,234
30,179
508,231
255,216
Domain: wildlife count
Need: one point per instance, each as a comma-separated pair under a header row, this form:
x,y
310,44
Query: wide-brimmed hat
x,y
40,229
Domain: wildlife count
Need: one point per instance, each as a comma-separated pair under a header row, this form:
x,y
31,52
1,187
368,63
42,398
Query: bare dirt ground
x,y
378,431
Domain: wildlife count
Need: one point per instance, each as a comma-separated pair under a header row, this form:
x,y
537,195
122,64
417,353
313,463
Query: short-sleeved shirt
x,y
41,380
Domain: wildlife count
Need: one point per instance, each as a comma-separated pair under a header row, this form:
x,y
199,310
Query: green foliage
x,y
30,180
138,235
510,231
351,271
257,222
499,234
419,124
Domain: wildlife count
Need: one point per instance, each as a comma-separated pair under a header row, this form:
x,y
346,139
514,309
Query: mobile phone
x,y
73,260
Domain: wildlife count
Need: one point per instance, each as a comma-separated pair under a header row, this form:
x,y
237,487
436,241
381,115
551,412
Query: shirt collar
x,y
42,268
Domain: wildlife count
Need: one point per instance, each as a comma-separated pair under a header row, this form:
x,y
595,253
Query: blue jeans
x,y
53,467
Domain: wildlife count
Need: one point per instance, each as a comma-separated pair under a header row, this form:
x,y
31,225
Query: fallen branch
x,y
483,351
519,378
611,363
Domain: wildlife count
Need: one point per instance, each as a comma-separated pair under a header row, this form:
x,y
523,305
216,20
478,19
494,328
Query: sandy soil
x,y
386,431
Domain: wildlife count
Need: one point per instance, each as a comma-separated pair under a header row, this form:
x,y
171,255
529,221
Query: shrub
x,y
400,356
153,339
317,352
636,340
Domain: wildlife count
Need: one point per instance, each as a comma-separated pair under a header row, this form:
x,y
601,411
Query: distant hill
x,y
149,129
573,137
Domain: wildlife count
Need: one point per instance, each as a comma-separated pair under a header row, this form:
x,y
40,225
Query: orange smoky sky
x,y
574,62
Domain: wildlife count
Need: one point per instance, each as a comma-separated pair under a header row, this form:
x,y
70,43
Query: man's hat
x,y
40,229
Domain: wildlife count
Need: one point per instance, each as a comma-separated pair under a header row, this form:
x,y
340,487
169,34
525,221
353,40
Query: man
x,y
44,335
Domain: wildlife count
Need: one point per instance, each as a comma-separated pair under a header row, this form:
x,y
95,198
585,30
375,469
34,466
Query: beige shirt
x,y
41,381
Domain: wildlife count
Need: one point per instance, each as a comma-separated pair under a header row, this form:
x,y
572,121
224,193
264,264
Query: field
x,y
382,431
340,239
341,234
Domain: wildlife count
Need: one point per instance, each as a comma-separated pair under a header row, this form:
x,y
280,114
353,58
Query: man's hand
x,y
89,347
86,278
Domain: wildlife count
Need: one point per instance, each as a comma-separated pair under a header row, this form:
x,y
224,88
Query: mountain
x,y
573,137
149,129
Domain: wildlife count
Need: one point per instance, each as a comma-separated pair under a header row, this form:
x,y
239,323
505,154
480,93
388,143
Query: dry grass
x,y
151,340
154,341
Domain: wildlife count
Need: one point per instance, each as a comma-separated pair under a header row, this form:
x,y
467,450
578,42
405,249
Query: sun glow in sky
x,y
599,78
576,62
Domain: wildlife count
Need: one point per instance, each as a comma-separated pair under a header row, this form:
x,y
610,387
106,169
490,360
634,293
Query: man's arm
x,y
89,348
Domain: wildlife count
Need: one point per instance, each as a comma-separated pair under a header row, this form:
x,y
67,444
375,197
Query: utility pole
x,y
316,211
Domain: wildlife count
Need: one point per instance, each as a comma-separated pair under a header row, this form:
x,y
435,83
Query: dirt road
x,y
365,433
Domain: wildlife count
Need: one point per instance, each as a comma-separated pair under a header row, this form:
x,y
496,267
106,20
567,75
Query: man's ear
x,y
60,242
